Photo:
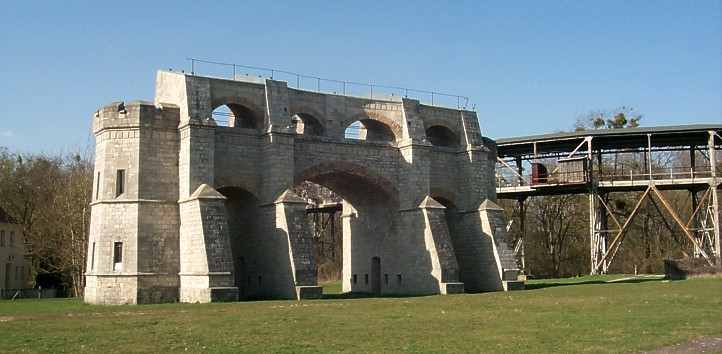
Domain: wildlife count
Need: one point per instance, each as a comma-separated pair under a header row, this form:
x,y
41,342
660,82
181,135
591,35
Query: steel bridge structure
x,y
599,162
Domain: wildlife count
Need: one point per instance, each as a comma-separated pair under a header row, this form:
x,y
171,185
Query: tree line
x,y
49,196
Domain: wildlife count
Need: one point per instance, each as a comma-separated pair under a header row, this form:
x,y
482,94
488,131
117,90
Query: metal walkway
x,y
599,162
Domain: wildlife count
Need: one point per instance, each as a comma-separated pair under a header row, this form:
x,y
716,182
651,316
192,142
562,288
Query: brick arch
x,y
240,185
295,109
379,117
314,113
430,122
350,171
443,196
258,112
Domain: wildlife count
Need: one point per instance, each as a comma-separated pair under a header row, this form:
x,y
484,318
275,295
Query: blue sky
x,y
529,66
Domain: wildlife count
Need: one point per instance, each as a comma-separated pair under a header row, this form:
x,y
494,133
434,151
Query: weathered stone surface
x,y
206,211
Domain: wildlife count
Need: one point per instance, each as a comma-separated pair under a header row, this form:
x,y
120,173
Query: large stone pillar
x,y
486,262
445,268
206,263
291,222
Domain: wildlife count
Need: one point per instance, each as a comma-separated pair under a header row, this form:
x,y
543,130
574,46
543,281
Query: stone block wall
x,y
180,237
144,217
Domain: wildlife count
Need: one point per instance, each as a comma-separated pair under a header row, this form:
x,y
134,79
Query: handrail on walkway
x,y
343,87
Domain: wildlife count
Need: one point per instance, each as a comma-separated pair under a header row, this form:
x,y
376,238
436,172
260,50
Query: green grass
x,y
571,315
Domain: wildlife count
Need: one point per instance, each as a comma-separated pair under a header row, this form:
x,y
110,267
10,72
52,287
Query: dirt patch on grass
x,y
698,345
6,318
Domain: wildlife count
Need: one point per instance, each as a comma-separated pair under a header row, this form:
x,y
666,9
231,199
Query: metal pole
x,y
592,235
432,98
522,227
692,161
193,66
298,81
649,155
695,203
318,84
234,71
601,226
715,197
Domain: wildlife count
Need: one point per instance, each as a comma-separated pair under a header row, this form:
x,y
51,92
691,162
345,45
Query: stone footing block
x,y
224,294
158,294
205,295
514,285
452,288
309,292
510,274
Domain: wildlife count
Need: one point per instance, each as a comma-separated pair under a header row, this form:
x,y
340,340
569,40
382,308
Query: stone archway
x,y
180,240
238,112
369,203
243,231
372,126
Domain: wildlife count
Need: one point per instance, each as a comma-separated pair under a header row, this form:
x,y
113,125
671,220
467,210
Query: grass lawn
x,y
565,315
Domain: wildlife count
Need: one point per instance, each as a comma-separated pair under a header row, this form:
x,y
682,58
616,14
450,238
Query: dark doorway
x,y
242,212
376,275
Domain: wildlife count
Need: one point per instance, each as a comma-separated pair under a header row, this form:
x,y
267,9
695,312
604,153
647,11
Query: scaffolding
x,y
588,162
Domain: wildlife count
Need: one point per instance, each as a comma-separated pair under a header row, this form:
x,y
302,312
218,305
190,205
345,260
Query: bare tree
x,y
49,196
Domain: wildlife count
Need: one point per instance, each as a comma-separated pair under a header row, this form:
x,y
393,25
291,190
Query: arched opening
x,y
324,216
236,115
243,229
370,130
439,135
361,212
307,124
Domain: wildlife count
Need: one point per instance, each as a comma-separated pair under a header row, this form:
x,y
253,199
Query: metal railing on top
x,y
325,85
505,179
658,173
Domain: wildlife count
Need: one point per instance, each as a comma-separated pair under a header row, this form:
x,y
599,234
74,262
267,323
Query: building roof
x,y
664,136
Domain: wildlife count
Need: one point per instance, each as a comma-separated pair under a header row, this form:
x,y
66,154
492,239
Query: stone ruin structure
x,y
187,210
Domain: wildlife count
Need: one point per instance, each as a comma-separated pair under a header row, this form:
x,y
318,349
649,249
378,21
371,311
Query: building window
x,y
386,279
259,280
398,278
354,279
117,256
12,238
2,238
97,186
92,257
366,278
119,182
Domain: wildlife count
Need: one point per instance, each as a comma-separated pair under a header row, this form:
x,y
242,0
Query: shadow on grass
x,y
551,284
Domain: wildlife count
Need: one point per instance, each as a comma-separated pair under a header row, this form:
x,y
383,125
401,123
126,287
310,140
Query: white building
x,y
13,266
